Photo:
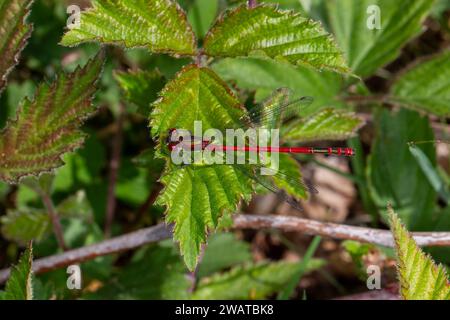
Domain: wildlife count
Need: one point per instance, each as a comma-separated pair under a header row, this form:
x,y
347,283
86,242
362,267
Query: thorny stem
x,y
114,165
56,223
258,222
252,3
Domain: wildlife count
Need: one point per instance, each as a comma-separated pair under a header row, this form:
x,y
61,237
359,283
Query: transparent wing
x,y
269,115
268,182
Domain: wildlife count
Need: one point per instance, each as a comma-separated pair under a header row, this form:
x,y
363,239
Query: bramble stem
x,y
56,223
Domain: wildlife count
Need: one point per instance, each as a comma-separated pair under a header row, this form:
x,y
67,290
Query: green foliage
x,y
202,14
47,126
431,173
426,86
420,278
140,87
156,273
195,94
265,76
274,33
20,283
14,32
368,50
252,281
325,125
393,174
303,265
196,199
223,251
159,25
25,224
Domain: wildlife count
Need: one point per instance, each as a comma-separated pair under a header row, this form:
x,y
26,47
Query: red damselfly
x,y
261,118
268,115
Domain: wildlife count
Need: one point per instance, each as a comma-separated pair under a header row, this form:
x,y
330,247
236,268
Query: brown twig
x,y
287,224
336,231
56,223
118,244
114,165
252,3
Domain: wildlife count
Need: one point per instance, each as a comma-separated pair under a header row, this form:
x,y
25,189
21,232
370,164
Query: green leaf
x,y
327,124
14,33
196,94
141,87
431,173
265,76
252,281
20,283
290,177
426,87
420,278
196,198
279,34
223,251
158,274
201,15
392,172
159,25
47,126
368,50
24,225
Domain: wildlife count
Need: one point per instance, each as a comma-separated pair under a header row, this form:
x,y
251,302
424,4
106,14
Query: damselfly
x,y
271,114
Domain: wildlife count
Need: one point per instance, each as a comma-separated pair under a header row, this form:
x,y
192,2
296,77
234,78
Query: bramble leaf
x,y
426,87
354,23
420,278
327,124
20,283
14,33
196,197
159,25
285,35
141,87
47,126
251,281
196,94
